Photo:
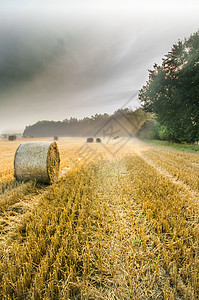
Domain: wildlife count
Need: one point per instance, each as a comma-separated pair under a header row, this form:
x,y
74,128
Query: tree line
x,y
123,122
171,93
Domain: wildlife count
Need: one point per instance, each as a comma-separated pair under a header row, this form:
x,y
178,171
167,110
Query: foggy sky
x,y
60,60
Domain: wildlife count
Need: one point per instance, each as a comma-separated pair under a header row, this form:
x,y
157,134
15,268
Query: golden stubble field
x,y
122,226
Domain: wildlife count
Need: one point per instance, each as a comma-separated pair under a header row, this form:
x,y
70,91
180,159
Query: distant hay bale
x,y
56,138
90,140
116,137
12,138
37,161
98,140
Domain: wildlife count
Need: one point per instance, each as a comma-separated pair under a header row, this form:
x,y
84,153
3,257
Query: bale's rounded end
x,y
53,162
38,161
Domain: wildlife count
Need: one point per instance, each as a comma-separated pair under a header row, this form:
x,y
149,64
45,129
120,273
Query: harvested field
x,y
122,226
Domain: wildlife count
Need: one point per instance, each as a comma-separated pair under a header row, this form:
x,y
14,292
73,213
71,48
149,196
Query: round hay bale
x,y
12,138
98,140
90,140
37,161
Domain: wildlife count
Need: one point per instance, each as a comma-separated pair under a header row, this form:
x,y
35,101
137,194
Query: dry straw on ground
x,y
37,161
122,228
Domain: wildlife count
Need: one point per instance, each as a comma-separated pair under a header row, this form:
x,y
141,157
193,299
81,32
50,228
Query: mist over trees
x,y
172,92
123,121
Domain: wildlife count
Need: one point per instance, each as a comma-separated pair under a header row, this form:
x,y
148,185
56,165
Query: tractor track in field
x,y
172,178
123,212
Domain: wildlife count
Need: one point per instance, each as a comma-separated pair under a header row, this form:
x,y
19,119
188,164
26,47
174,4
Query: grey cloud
x,y
60,63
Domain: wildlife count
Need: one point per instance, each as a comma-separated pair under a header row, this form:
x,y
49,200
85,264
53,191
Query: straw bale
x,y
90,140
12,138
37,161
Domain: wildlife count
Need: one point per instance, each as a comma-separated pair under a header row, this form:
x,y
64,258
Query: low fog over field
x,y
60,60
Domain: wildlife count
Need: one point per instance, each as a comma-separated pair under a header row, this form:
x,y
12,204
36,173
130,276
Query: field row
x,y
182,166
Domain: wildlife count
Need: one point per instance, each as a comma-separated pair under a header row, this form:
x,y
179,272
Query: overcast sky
x,y
60,59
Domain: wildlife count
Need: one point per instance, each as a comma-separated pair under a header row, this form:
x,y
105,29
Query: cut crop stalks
x,y
109,229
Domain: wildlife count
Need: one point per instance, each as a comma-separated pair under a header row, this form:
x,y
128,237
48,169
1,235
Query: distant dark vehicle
x,y
12,138
116,137
90,140
98,140
56,138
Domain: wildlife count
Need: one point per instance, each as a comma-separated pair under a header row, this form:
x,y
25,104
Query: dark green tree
x,y
172,91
